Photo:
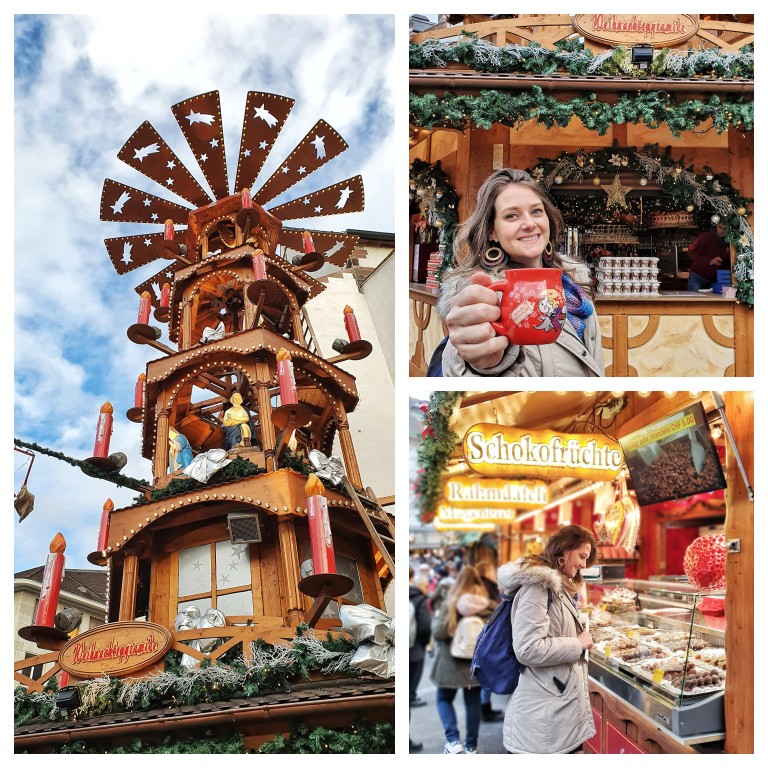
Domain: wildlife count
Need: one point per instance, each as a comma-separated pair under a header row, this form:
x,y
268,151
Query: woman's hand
x,y
469,329
586,640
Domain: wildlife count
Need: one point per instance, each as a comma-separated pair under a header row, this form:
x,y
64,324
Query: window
x,y
216,576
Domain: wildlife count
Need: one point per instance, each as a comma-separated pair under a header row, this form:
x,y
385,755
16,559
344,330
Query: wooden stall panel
x,y
595,744
617,743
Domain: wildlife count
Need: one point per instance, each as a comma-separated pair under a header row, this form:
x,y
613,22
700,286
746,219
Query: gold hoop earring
x,y
548,256
493,257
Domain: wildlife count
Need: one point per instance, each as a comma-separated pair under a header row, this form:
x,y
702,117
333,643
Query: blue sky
x,y
82,85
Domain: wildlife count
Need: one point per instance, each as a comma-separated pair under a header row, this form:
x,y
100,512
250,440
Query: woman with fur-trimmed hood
x,y
549,712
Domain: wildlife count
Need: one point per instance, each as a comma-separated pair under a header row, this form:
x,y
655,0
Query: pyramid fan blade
x,y
335,246
265,115
319,146
154,284
119,202
147,152
129,253
345,197
200,121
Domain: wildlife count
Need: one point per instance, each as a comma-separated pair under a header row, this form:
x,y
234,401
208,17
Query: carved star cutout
x,y
214,142
147,202
262,145
284,169
169,181
170,164
203,157
247,153
318,209
154,217
617,193
147,242
306,201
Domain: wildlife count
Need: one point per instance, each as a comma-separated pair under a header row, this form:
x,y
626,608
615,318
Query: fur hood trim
x,y
469,604
516,574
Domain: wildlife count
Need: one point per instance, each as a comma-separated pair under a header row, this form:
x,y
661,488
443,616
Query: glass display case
x,y
660,646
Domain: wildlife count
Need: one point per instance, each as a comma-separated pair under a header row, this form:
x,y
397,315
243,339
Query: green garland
x,y
113,477
709,193
273,669
428,182
571,57
207,744
359,739
363,738
515,107
438,442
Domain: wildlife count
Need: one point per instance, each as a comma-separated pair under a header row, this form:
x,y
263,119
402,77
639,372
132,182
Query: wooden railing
x,y
271,630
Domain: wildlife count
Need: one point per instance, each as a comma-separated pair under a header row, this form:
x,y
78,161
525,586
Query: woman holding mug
x,y
514,226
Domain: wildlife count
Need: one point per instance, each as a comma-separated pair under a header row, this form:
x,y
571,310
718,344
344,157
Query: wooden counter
x,y
679,333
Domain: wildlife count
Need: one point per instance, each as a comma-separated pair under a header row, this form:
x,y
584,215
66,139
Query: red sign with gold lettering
x,y
115,649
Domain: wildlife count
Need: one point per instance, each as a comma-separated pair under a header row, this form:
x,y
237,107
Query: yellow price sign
x,y
631,633
607,651
658,674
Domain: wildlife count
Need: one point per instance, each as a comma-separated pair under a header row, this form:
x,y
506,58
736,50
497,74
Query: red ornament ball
x,y
704,562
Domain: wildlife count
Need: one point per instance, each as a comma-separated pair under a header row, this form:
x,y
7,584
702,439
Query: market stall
x,y
664,480
643,143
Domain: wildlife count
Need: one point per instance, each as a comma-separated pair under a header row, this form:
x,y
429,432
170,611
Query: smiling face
x,y
576,559
520,224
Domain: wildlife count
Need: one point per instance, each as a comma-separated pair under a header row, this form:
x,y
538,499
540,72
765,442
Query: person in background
x,y
708,253
467,597
549,711
421,637
487,571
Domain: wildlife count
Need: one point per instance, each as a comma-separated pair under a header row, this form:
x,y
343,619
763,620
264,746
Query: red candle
x,y
320,539
103,431
165,295
309,243
285,378
168,230
353,329
104,526
145,305
49,589
245,198
259,265
138,391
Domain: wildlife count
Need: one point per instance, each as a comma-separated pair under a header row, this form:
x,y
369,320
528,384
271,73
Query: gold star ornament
x,y
617,193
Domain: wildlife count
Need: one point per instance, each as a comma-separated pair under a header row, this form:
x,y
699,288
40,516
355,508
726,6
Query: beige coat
x,y
539,718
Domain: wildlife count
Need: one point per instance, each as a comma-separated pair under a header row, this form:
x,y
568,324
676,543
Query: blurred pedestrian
x,y
466,597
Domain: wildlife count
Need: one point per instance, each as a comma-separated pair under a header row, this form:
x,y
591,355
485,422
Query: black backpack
x,y
494,663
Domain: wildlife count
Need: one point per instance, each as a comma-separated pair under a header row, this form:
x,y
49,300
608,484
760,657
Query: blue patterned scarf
x,y
577,306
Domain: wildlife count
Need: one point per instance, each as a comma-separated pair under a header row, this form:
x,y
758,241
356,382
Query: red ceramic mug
x,y
532,305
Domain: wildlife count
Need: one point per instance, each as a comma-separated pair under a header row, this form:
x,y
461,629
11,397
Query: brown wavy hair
x,y
468,581
568,538
472,235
